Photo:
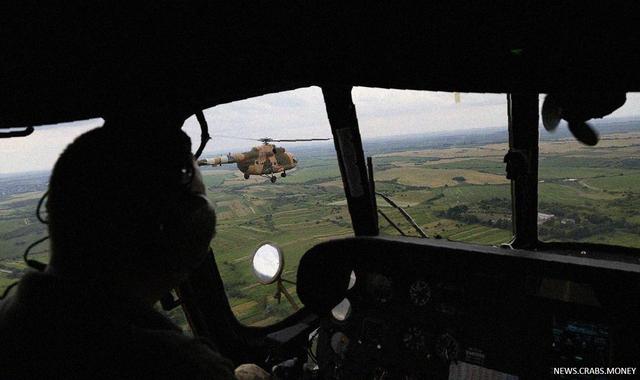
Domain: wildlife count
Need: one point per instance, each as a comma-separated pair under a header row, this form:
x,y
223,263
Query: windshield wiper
x,y
404,213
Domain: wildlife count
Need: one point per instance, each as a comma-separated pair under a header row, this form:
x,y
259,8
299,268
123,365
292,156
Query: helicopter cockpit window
x,y
439,157
24,177
591,193
25,169
272,174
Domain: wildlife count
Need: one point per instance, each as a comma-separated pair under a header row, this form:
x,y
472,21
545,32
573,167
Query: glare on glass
x,y
267,263
342,310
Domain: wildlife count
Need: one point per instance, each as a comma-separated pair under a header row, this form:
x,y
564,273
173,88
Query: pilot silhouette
x,y
128,220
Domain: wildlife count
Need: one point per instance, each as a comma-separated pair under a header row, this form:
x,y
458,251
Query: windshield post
x,y
522,167
346,137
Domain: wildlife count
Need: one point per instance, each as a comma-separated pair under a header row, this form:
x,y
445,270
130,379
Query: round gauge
x,y
447,347
380,288
420,293
339,343
414,339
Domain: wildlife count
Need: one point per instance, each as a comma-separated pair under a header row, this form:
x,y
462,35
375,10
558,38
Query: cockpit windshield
x,y
272,174
592,193
438,158
438,167
439,170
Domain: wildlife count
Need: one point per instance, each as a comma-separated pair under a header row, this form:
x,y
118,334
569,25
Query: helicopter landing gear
x,y
283,174
246,176
273,179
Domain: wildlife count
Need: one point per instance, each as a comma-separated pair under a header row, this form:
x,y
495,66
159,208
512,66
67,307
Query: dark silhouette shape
x,y
128,219
577,109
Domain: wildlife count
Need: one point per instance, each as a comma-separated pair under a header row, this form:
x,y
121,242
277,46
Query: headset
x,y
184,225
187,224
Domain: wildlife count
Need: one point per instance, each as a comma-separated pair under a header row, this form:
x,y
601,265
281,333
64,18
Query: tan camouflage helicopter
x,y
264,160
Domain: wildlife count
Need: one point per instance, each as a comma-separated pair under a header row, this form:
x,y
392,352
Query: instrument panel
x,y
412,326
416,311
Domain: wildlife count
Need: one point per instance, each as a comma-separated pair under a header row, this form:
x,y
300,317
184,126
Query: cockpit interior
x,y
371,305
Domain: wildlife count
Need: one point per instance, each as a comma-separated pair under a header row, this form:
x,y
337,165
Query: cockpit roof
x,y
77,60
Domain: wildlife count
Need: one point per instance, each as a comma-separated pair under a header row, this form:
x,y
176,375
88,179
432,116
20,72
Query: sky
x,y
296,114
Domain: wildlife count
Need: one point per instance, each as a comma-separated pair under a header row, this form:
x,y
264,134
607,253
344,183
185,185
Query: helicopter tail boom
x,y
217,161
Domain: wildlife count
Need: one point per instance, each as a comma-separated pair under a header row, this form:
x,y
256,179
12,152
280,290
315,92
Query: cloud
x,y
298,114
40,150
291,114
396,112
381,112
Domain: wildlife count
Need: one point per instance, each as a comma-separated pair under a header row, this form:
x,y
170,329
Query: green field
x,y
588,194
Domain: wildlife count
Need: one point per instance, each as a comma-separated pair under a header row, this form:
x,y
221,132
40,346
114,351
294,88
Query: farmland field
x,y
454,191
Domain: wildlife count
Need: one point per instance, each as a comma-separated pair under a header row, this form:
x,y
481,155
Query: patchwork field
x,y
589,194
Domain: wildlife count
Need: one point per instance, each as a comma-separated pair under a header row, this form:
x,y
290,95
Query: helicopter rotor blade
x,y
294,140
584,133
269,139
551,113
235,137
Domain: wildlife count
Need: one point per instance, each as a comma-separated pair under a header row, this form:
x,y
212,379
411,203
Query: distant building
x,y
542,217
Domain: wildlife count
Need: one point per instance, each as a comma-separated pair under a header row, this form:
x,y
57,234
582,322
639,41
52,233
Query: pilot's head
x,y
128,204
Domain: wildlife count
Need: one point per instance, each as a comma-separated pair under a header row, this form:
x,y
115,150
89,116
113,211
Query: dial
x,y
414,339
339,343
420,293
380,288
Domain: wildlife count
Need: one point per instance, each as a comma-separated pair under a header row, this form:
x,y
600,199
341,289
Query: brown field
x,y
417,176
336,183
618,140
489,150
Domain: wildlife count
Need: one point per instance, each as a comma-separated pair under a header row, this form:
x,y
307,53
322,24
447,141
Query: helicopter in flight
x,y
263,160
